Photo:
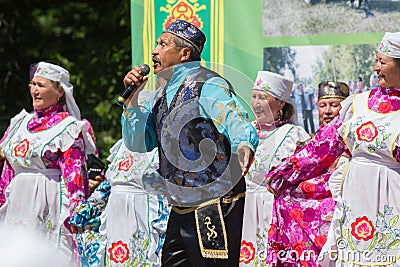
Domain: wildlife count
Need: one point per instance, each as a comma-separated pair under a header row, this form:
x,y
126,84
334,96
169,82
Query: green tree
x,y
89,38
345,63
277,59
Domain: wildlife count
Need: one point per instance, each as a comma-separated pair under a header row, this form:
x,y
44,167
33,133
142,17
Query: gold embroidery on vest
x,y
211,233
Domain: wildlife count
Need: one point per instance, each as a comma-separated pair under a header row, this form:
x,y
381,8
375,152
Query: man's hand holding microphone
x,y
134,82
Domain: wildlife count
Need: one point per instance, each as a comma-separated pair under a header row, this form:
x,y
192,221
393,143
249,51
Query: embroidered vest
x,y
187,157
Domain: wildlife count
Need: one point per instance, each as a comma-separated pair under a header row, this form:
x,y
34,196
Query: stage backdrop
x,y
239,32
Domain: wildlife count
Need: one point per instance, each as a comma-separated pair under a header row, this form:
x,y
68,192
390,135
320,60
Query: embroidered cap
x,y
390,44
333,90
275,84
189,32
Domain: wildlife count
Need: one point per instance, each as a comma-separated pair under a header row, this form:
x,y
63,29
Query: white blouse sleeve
x,y
68,136
346,112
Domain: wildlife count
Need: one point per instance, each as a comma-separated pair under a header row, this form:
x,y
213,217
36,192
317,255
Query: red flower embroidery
x,y
367,132
271,230
307,188
125,164
78,179
298,246
362,228
258,82
327,161
119,252
320,240
63,115
303,225
385,107
22,148
297,214
295,161
247,252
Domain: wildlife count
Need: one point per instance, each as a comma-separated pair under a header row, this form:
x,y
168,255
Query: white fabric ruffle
x,y
66,139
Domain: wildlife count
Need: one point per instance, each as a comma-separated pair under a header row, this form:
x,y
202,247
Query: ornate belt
x,y
210,226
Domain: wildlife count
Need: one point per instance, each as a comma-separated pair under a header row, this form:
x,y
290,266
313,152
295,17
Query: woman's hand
x,y
75,229
269,188
245,157
2,156
93,184
272,191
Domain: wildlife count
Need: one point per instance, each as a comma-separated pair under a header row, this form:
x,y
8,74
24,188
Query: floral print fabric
x,y
304,209
88,217
365,226
384,100
70,162
354,220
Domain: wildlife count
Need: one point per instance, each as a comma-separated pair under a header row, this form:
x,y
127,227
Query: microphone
x,y
144,69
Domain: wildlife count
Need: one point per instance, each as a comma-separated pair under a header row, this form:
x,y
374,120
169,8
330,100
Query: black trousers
x,y
308,118
181,247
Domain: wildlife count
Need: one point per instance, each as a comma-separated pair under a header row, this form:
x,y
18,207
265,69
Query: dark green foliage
x,y
89,38
276,59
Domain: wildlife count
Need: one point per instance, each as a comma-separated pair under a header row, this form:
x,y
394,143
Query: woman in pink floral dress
x,y
302,213
365,230
44,178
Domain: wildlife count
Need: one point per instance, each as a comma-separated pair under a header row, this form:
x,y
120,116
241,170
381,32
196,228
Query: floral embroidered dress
x,y
365,229
134,221
366,212
44,178
274,145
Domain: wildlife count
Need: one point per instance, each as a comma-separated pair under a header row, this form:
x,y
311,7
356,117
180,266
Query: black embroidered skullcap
x,y
333,90
189,32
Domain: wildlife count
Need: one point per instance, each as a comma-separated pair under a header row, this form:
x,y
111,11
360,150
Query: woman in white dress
x,y
365,228
279,137
44,176
125,219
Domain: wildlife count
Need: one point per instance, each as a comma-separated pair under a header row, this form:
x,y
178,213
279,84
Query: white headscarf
x,y
274,84
59,74
390,44
278,86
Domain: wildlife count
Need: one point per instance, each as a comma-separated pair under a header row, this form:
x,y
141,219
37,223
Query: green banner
x,y
229,41
239,33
